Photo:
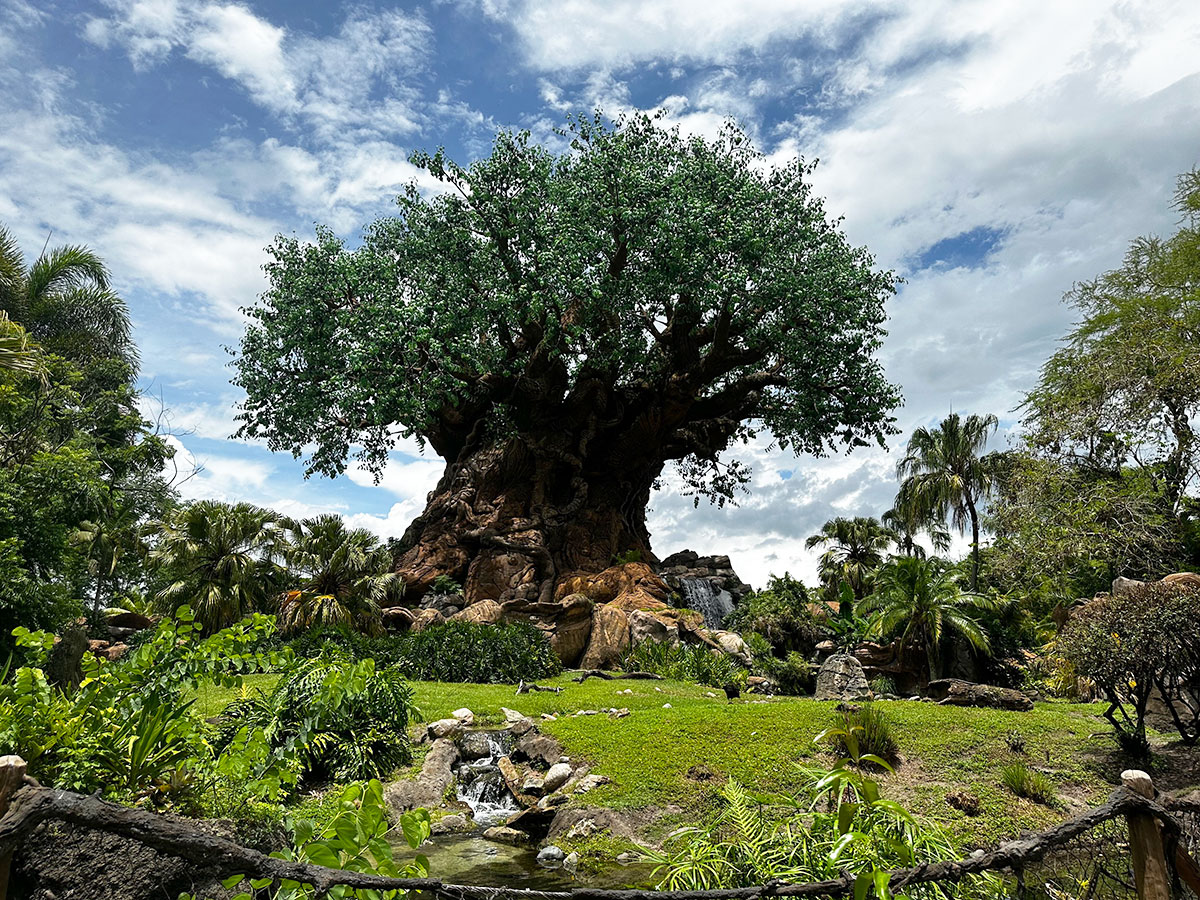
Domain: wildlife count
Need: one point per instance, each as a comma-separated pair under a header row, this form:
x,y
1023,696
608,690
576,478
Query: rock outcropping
x,y
842,678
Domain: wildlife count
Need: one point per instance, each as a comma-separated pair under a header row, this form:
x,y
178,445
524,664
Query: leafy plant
x,y
782,613
685,662
865,734
1028,783
792,675
881,684
443,585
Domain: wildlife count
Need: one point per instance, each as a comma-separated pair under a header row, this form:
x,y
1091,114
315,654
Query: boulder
x,y
429,787
842,678
646,626
502,834
485,612
551,855
397,618
427,618
445,728
533,822
464,716
558,775
956,692
474,745
131,620
1185,579
638,599
443,603
568,622
609,641
731,644
1121,585
452,824
539,749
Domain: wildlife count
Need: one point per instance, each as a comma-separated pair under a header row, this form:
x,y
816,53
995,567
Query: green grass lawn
x,y
764,744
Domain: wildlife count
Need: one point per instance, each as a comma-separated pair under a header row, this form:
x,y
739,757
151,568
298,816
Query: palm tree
x,y
909,522
919,598
943,474
220,559
65,302
856,550
346,574
19,355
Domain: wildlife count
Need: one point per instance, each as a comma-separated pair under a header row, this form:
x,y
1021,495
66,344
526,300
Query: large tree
x,y
857,547
559,328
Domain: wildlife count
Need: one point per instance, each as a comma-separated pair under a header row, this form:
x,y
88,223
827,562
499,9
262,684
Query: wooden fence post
x,y
12,776
1145,843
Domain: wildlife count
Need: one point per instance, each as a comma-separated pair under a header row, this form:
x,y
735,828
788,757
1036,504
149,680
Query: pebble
x,y
551,854
666,706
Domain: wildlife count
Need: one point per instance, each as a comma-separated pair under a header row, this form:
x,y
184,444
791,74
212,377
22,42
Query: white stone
x,y
557,776
465,716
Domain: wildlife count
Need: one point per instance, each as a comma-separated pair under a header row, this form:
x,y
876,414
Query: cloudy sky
x,y
992,153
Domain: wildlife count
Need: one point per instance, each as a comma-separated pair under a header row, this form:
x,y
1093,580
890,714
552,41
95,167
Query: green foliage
x,y
452,651
840,822
129,729
1028,783
782,613
341,719
639,263
353,840
792,674
444,585
1135,643
685,662
919,599
343,575
865,734
856,550
881,684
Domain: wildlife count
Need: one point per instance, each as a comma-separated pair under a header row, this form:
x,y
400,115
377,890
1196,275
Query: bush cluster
x,y
454,651
685,662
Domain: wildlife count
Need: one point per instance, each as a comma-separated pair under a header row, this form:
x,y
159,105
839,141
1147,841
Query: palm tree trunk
x,y
974,544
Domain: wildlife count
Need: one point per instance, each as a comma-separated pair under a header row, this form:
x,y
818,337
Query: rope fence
x,y
1132,846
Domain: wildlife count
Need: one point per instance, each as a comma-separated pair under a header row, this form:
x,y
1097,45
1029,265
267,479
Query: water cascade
x,y
706,598
482,787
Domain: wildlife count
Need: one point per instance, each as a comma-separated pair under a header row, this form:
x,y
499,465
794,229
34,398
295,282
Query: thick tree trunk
x,y
511,520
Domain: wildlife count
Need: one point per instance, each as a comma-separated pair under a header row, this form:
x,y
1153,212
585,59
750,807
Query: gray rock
x,y
465,716
571,863
504,835
474,745
539,748
551,854
558,775
445,728
428,788
842,678
1122,585
550,801
533,786
956,692
451,824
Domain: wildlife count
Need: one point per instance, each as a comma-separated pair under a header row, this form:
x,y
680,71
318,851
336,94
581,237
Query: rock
x,y
841,678
550,801
444,728
584,829
64,666
568,622
427,618
591,782
397,618
628,858
464,716
964,802
558,775
732,644
502,834
485,612
1186,579
1122,585
512,775
474,745
533,786
116,634
571,863
131,620
115,652
609,641
428,788
666,706
646,626
446,604
602,820
551,855
607,586
956,692
539,748
826,647
452,824
533,822
717,569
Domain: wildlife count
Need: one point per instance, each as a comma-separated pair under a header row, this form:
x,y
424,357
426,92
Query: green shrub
x,y
444,584
1028,783
344,720
782,614
792,675
869,728
882,685
685,662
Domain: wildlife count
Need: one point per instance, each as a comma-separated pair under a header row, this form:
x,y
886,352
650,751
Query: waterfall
x,y
705,597
482,787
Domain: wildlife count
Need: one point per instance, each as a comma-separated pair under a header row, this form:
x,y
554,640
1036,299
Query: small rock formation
x,y
64,665
397,618
427,618
956,692
485,612
609,641
690,564
444,728
568,621
731,643
428,788
842,678
556,777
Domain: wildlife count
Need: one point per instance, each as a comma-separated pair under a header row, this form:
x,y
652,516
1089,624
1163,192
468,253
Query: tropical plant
x,y
344,719
856,549
908,522
943,474
864,735
782,613
65,302
1028,783
477,653
685,662
790,674
561,327
344,576
220,559
18,352
920,599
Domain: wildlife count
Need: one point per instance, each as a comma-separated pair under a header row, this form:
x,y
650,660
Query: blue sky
x,y
991,153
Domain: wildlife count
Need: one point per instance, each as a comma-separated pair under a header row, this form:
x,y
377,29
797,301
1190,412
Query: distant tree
x,y
65,302
220,559
908,521
561,328
782,612
344,576
920,600
942,473
857,547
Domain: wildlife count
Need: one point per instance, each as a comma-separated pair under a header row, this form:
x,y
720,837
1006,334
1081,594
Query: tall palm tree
x,y
919,599
19,355
942,473
856,550
909,522
65,302
345,576
220,559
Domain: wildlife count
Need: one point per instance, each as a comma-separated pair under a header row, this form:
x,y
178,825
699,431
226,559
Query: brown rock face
x,y
609,585
427,618
133,620
646,626
397,618
610,639
1185,579
485,612
567,621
